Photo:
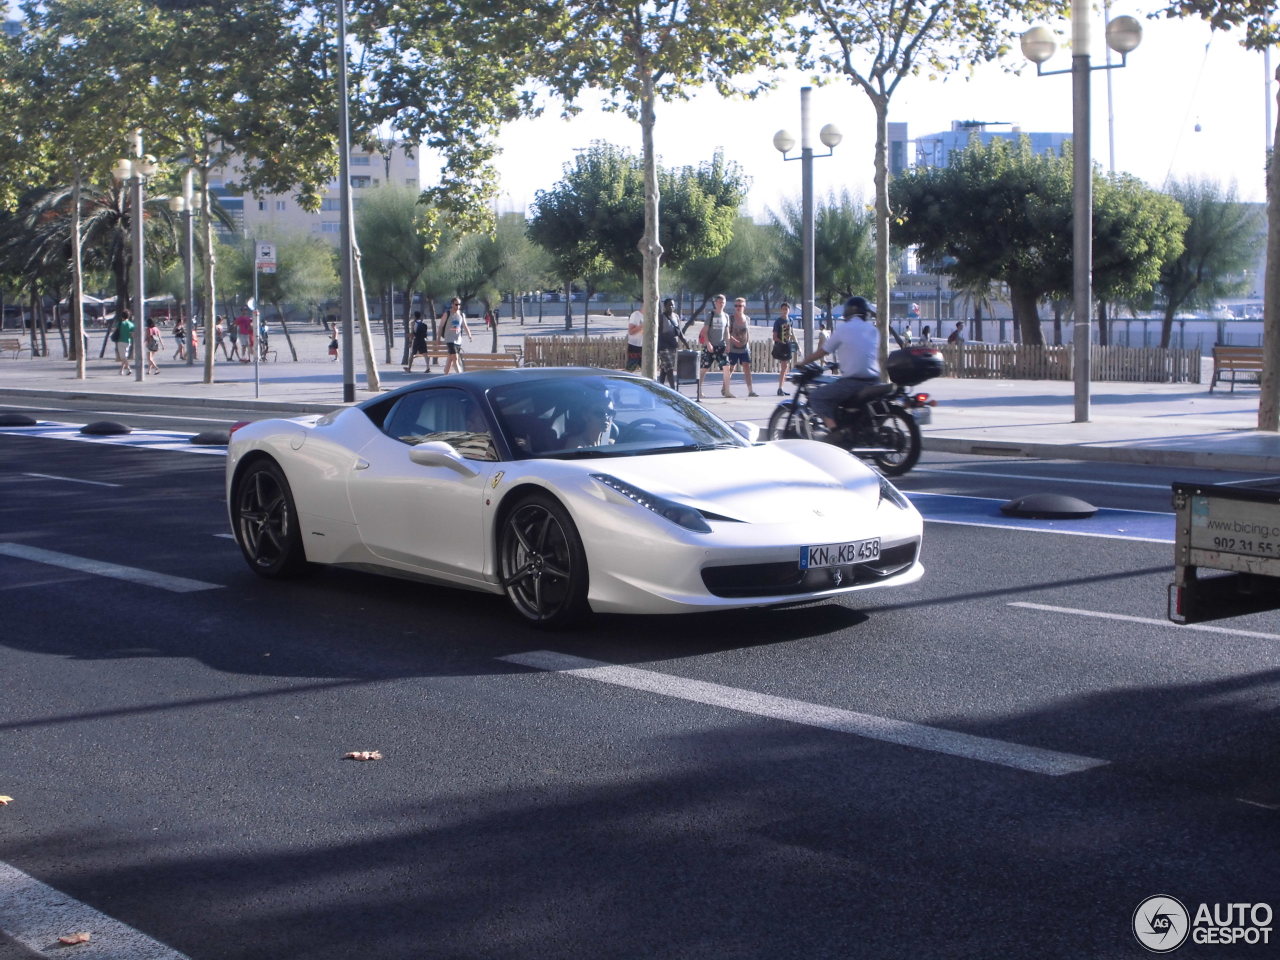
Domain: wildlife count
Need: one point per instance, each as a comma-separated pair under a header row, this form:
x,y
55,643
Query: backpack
x,y
115,333
952,338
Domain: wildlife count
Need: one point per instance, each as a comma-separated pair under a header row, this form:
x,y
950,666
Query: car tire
x,y
265,522
542,564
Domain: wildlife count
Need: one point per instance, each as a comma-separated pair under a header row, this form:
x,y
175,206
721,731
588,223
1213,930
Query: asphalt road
x,y
176,758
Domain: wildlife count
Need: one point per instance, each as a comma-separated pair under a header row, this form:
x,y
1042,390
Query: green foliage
x,y
747,263
1255,17
1219,245
593,219
844,262
1000,212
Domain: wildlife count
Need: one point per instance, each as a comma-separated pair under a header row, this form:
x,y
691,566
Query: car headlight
x,y
677,513
895,496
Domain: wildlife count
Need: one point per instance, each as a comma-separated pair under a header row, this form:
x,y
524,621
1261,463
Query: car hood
x,y
776,482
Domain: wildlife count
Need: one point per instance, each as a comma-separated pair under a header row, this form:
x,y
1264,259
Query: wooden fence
x,y
973,361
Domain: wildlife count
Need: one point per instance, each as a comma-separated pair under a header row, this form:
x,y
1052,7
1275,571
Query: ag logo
x,y
1161,923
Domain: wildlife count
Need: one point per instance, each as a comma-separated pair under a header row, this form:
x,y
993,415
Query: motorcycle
x,y
880,423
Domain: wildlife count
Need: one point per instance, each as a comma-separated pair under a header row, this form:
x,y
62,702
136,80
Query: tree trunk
x,y
977,320
1104,334
284,328
1026,316
1166,324
1269,400
650,247
372,381
881,104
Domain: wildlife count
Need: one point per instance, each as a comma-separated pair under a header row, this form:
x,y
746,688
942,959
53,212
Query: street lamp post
x,y
185,208
344,193
136,172
1123,35
783,141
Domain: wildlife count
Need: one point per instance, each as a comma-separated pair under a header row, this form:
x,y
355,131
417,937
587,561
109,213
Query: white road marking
x,y
101,568
1032,759
1020,476
1126,618
36,915
1069,533
50,476
139,439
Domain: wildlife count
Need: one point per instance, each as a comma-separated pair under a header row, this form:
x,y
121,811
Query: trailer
x,y
1233,532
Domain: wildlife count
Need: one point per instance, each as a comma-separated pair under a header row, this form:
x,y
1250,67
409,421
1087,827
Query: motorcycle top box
x,y
912,365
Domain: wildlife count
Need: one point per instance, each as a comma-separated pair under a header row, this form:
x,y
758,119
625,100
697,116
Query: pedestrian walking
x,y
739,353
180,340
455,324
153,344
333,346
670,339
220,336
635,340
784,344
244,337
957,335
714,337
123,337
418,348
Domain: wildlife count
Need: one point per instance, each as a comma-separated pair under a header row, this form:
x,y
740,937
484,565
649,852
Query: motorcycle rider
x,y
858,340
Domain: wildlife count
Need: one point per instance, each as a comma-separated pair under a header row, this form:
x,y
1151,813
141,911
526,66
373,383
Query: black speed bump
x,y
105,428
16,420
212,438
1048,506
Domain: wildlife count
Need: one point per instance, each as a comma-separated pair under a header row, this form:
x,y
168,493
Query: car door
x,y
429,518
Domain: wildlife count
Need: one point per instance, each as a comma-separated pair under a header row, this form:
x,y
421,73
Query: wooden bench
x,y
1235,361
13,345
439,350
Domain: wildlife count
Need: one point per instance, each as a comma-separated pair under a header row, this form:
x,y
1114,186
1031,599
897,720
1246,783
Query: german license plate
x,y
840,554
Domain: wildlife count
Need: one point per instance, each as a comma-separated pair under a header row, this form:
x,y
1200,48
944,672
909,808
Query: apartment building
x,y
276,214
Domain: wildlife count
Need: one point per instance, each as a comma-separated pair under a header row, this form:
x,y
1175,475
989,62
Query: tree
x,y
1218,247
876,44
1256,18
639,53
399,237
1000,212
844,255
747,262
599,205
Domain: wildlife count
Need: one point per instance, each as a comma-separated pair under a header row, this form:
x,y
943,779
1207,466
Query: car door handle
x,y
362,464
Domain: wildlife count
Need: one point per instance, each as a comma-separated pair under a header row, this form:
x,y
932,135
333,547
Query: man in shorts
x,y
739,353
714,337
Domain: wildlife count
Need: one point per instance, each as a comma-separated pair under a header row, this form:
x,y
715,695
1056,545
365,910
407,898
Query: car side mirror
x,y
437,453
747,430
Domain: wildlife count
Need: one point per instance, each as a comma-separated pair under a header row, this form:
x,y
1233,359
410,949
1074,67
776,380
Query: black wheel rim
x,y
895,436
264,520
537,562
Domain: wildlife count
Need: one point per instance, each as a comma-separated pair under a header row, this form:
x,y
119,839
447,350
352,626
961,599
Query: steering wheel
x,y
635,427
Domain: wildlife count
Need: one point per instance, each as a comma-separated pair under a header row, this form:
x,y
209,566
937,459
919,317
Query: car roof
x,y
483,380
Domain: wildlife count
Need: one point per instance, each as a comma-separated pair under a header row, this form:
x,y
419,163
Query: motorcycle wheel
x,y
786,423
899,432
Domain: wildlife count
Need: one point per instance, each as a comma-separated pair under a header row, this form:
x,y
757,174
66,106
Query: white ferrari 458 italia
x,y
569,490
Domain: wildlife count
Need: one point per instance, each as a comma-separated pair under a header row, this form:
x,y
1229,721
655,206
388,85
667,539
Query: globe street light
x,y
783,142
136,172
1123,35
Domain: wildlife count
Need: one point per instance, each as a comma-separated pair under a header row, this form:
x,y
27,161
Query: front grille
x,y
787,579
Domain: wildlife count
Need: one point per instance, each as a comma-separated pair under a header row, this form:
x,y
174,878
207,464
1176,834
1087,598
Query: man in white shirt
x,y
858,341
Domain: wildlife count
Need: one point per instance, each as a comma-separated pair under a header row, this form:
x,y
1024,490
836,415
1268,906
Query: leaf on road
x,y
72,939
5,801
364,755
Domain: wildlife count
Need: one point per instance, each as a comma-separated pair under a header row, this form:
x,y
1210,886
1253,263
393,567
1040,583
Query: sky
x,y
1190,103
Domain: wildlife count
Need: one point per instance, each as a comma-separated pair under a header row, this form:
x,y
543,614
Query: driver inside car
x,y
588,420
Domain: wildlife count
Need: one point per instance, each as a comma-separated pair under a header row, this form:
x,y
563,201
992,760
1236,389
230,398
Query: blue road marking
x,y
985,512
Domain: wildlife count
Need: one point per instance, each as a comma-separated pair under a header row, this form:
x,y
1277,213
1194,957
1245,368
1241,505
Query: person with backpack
x,y
670,339
123,337
418,348
153,345
957,335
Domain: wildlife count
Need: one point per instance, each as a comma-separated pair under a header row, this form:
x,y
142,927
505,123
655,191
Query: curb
x,y
1144,456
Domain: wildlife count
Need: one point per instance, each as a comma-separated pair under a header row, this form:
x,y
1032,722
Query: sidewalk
x,y
1171,425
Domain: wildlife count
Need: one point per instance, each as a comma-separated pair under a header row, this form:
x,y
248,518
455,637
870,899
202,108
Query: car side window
x,y
450,416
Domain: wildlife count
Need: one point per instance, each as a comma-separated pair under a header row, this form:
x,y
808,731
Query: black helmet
x,y
858,307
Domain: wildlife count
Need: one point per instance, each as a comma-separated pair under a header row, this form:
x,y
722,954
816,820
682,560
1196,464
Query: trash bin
x,y
687,366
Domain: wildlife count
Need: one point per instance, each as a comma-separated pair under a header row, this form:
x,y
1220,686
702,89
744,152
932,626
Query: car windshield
x,y
603,416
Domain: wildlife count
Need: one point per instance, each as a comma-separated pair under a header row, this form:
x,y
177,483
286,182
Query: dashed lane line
x,y
935,739
101,568
92,483
36,915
